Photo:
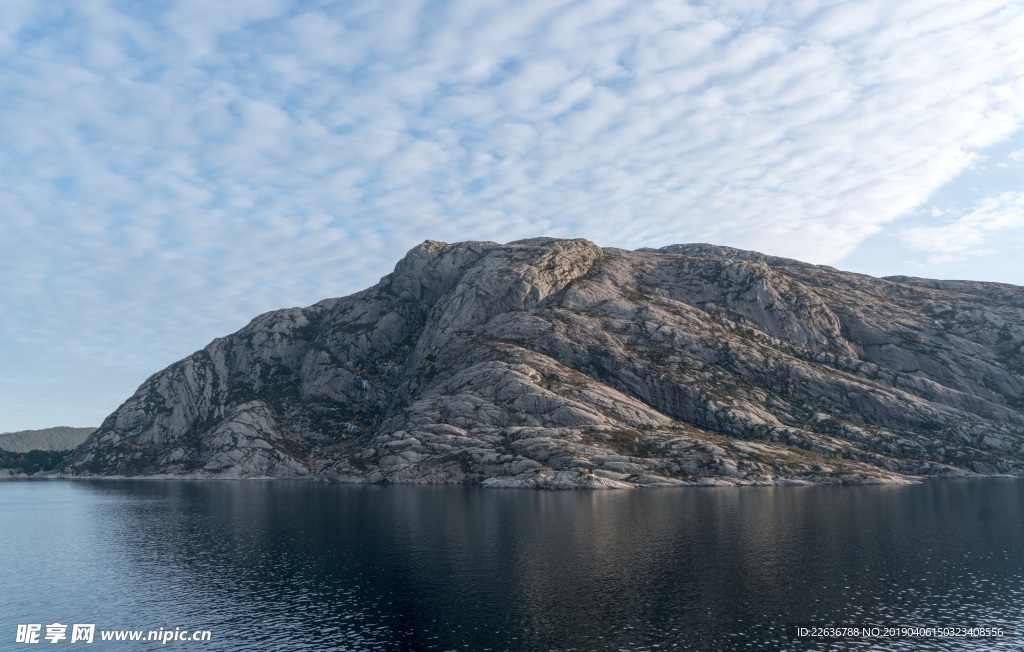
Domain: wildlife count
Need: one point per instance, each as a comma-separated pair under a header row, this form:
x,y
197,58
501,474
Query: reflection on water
x,y
297,566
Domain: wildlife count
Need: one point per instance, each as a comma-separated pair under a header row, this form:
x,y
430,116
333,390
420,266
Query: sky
x,y
170,169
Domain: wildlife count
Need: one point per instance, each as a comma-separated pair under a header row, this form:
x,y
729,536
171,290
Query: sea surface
x,y
276,565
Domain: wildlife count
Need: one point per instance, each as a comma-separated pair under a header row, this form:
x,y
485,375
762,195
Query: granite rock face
x,y
559,364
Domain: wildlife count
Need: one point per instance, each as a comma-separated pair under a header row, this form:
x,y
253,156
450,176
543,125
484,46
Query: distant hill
x,y
61,438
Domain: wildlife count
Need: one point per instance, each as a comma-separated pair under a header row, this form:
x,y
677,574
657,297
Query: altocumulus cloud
x,y
168,170
966,235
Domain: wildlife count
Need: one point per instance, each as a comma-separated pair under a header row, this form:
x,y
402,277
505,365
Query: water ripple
x,y
295,566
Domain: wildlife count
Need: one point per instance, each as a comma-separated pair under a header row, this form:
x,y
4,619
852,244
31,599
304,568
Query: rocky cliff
x,y
556,363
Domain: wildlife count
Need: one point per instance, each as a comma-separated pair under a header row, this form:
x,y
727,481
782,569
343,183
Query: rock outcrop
x,y
556,363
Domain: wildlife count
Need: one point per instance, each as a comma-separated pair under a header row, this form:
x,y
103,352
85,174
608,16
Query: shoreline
x,y
703,482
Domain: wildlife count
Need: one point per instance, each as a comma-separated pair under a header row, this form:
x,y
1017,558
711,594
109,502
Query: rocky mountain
x,y
556,363
60,438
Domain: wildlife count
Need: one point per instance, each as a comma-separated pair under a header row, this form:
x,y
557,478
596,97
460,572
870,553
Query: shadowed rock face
x,y
556,363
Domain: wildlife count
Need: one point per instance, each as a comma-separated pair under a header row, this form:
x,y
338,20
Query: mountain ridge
x,y
558,363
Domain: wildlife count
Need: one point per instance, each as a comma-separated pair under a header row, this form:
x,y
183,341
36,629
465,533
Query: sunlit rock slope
x,y
556,363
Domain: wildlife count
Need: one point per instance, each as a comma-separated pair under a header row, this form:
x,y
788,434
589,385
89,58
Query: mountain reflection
x,y
282,565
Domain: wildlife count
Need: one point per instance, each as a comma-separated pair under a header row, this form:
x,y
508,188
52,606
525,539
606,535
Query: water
x,y
297,566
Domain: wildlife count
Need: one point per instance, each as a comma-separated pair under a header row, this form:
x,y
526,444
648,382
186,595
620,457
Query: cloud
x,y
968,235
169,170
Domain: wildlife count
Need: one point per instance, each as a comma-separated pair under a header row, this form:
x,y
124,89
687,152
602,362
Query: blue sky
x,y
168,170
